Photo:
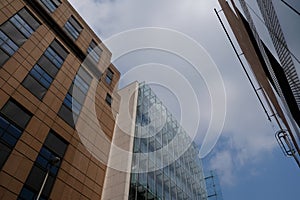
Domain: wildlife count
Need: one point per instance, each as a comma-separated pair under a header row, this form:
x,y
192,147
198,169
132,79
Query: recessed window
x,y
13,120
73,27
45,70
109,76
94,51
51,5
54,146
73,102
14,32
108,99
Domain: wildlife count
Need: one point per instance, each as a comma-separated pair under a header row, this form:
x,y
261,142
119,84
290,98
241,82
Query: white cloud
x,y
223,163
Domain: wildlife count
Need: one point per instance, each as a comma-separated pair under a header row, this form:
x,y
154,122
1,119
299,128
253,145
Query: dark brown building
x,y
43,44
277,80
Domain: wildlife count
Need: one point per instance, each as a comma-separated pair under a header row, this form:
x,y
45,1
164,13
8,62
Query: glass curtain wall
x,y
163,166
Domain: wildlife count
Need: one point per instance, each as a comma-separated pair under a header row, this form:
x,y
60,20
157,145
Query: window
x,y
13,120
54,146
72,104
14,32
94,51
73,27
109,76
51,5
108,99
42,74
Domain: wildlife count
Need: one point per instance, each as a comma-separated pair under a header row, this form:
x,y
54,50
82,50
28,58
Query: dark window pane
x,y
8,46
48,66
75,24
56,144
14,32
27,194
54,57
28,17
4,153
94,51
9,133
3,55
109,76
21,25
16,114
41,76
73,27
108,99
15,35
61,51
75,97
35,178
67,115
51,5
34,87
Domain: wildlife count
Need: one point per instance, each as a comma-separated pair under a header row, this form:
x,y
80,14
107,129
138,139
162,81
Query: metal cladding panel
x,y
240,32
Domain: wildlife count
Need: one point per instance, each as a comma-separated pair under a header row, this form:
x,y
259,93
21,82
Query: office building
x,y
275,71
43,58
159,159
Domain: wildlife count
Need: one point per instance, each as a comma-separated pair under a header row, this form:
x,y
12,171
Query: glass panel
x,y
22,25
34,87
108,99
54,57
16,114
51,5
54,146
73,27
94,51
7,44
40,75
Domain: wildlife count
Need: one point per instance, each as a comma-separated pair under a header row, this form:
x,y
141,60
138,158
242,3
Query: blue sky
x,y
248,159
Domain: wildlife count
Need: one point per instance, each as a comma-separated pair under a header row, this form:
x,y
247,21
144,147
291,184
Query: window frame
x,y
6,133
28,186
69,100
73,27
94,51
51,5
23,23
109,76
48,65
108,99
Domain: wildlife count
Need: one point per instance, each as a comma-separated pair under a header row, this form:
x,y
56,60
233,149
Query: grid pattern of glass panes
x,y
51,5
163,167
73,27
73,102
22,25
45,70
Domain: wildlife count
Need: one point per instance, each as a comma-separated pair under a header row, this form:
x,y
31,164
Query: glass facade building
x,y
165,162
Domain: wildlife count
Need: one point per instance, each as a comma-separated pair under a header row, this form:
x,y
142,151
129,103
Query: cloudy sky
x,y
247,157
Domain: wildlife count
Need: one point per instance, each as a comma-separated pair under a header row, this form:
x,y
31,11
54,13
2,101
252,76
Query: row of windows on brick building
x,y
14,118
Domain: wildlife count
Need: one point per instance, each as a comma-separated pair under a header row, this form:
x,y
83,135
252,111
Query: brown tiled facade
x,y
80,174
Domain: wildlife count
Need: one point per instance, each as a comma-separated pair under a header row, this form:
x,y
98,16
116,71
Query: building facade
x,y
47,52
165,161
159,159
275,73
